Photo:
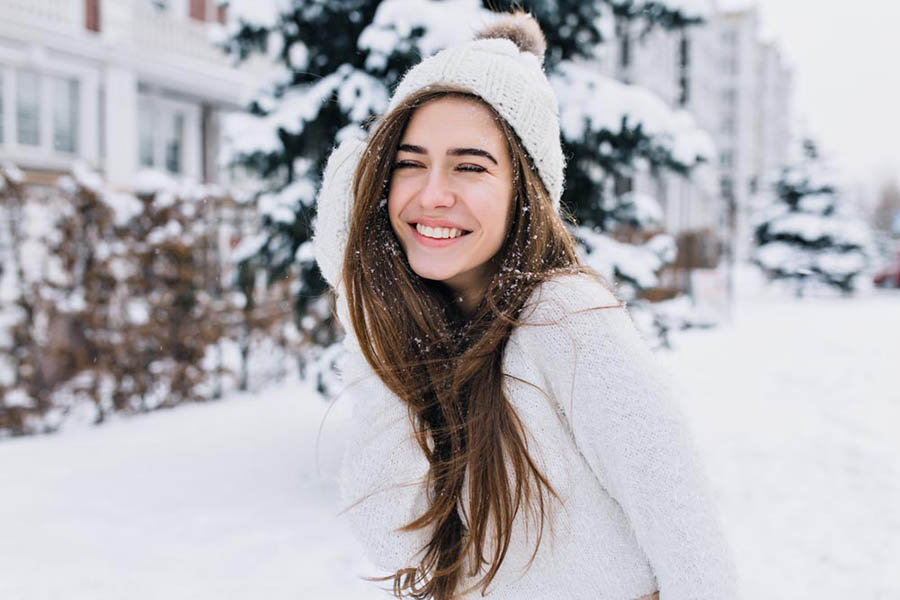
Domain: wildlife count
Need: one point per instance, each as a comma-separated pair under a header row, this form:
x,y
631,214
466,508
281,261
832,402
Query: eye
x,y
471,168
402,164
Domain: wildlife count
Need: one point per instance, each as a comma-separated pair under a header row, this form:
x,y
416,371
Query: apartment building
x,y
738,90
118,84
754,134
676,67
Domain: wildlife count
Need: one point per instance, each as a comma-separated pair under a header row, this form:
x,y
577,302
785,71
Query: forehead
x,y
451,121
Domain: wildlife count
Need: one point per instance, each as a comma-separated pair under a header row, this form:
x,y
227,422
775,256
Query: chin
x,y
433,274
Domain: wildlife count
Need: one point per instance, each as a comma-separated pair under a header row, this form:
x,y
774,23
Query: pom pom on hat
x,y
521,29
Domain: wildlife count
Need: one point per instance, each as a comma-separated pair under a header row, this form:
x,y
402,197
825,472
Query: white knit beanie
x,y
502,66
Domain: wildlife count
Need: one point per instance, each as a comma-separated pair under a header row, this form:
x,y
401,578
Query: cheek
x,y
394,206
497,218
499,224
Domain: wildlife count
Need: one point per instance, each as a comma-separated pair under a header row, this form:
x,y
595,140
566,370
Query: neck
x,y
468,289
468,300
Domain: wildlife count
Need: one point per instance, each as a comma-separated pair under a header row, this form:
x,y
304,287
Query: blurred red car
x,y
890,275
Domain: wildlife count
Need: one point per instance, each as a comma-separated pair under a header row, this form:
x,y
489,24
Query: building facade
x,y
118,84
754,135
739,91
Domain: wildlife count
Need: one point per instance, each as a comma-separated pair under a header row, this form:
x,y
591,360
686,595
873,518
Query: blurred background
x,y
732,167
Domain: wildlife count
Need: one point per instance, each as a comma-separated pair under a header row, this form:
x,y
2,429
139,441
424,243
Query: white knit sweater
x,y
636,515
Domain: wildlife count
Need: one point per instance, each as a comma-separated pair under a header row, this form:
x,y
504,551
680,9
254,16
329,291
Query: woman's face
x,y
450,194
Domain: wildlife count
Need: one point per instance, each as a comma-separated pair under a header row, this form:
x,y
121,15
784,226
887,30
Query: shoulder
x,y
567,295
577,315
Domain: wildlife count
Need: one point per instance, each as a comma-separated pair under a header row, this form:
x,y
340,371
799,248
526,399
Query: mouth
x,y
437,236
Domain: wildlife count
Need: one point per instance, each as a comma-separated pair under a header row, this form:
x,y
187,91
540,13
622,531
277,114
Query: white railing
x,y
158,32
55,14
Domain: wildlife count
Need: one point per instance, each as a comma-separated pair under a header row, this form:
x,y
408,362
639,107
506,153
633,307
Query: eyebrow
x,y
451,152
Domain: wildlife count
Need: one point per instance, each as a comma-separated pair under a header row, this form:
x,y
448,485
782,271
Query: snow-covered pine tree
x,y
808,234
337,61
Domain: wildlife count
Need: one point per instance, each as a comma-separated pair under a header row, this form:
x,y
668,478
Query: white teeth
x,y
438,232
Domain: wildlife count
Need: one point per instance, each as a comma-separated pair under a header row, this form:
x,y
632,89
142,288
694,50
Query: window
x,y
101,122
729,37
624,36
684,52
64,94
729,65
625,50
92,15
622,185
174,142
729,96
726,158
145,136
28,108
727,125
43,111
684,91
684,60
727,187
198,10
162,131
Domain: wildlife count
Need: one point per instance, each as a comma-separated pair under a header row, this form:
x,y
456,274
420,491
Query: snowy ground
x,y
795,406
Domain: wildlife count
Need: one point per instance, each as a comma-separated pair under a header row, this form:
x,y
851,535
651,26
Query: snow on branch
x,y
425,26
256,13
670,14
357,93
634,265
591,101
690,9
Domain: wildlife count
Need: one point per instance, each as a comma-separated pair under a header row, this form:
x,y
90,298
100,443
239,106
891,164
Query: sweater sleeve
x,y
630,430
383,467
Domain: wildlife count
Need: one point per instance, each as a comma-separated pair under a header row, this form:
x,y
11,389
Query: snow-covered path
x,y
795,407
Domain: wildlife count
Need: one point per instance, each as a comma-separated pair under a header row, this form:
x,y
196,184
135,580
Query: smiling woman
x,y
498,385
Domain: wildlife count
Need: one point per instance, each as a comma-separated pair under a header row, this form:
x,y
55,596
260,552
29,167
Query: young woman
x,y
511,433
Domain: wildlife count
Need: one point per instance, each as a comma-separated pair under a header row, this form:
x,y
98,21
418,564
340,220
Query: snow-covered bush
x,y
115,302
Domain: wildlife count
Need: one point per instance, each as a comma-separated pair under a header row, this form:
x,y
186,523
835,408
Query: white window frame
x,y
50,91
729,36
161,108
43,154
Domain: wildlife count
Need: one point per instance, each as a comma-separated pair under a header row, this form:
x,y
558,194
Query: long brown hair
x,y
448,366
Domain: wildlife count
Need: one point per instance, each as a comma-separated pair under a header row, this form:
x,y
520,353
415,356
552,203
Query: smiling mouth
x,y
439,233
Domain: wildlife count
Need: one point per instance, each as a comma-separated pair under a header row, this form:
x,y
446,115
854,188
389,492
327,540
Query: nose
x,y
437,192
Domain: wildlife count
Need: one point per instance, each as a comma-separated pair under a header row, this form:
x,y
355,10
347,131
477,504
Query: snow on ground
x,y
794,405
221,501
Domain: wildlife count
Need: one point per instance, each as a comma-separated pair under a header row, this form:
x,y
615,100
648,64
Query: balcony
x,y
157,33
